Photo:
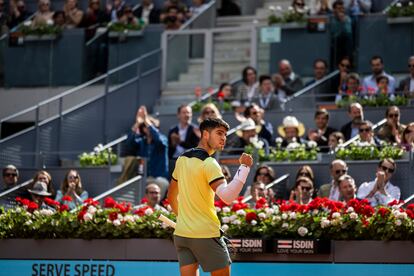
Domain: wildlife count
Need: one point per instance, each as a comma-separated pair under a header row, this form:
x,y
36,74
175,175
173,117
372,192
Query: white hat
x,y
291,121
39,188
247,124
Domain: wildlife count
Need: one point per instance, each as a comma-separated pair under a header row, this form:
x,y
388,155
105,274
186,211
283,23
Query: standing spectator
x,y
286,81
320,7
152,197
71,191
127,17
366,133
321,134
303,191
331,190
148,13
356,114
407,137
10,179
209,110
380,191
392,129
266,98
320,68
291,131
336,138
172,18
94,15
249,88
72,13
43,15
347,188
407,84
341,32
370,82
18,12
183,136
254,112
112,9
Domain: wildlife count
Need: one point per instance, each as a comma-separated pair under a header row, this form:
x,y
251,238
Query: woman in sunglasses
x,y
392,129
71,192
302,193
407,137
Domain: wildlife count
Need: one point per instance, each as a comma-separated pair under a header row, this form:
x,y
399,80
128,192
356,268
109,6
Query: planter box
x,y
40,37
291,25
124,34
400,20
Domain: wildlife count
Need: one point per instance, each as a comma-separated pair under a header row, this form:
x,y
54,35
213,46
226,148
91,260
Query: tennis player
x,y
196,179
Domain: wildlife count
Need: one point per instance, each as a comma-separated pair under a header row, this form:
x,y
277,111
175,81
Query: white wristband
x,y
242,173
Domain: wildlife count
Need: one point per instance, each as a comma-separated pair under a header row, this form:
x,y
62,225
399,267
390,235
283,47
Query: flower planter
x,y
40,37
400,20
291,25
125,33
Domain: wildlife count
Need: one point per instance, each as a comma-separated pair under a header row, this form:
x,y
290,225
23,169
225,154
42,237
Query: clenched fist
x,y
246,159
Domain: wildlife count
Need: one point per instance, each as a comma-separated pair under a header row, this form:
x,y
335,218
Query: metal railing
x,y
17,187
268,186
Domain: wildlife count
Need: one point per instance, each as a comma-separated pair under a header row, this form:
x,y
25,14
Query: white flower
x,y
269,211
315,212
129,218
399,5
233,217
218,209
225,220
236,222
46,212
28,222
302,231
36,212
92,209
226,210
279,8
276,208
136,217
290,8
284,216
253,222
96,149
325,223
256,142
312,144
401,215
292,215
336,215
409,4
224,227
279,140
241,212
353,216
350,210
87,216
398,222
293,145
116,222
285,225
261,215
49,22
27,23
148,212
164,225
272,8
18,210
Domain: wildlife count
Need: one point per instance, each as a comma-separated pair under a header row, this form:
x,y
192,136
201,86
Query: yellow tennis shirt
x,y
194,171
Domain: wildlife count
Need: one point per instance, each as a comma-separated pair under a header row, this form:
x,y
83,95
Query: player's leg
x,y
186,258
189,270
212,255
221,272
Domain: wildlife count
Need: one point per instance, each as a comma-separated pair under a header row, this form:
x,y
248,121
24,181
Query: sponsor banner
x,y
246,246
301,247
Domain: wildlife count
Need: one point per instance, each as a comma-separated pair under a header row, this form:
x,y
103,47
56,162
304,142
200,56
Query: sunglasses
x,y
263,174
73,177
386,169
365,130
345,65
303,174
410,65
307,189
10,174
341,171
408,131
393,115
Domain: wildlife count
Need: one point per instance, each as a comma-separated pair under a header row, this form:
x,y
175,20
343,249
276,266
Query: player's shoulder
x,y
198,153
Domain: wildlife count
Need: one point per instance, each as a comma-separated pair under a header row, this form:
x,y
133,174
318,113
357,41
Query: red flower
x,y
123,207
383,211
410,213
81,214
261,203
395,202
18,199
220,95
166,202
220,203
67,198
144,200
63,208
251,216
32,206
113,216
25,202
51,202
90,201
239,206
109,202
367,210
141,211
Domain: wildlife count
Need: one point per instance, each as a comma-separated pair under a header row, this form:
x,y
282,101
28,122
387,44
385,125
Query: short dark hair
x,y
382,77
262,78
337,3
322,111
320,60
366,122
212,123
377,57
244,73
180,107
224,84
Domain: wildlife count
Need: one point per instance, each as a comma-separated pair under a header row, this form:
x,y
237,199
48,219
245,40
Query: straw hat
x,y
291,121
40,188
247,124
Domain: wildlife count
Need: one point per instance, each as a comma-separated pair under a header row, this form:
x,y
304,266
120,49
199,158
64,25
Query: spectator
x,y
407,84
184,135
148,13
4,18
43,15
336,138
59,19
239,110
298,7
152,197
265,175
341,32
258,190
407,137
266,98
291,131
229,8
347,188
71,191
18,12
366,133
254,112
38,193
305,171
112,9
286,81
172,18
94,16
127,17
224,92
320,7
45,177
380,191
209,111
370,82
249,88
331,190
382,85
303,191
392,129
10,179
72,13
197,7
351,88
356,114
320,68
150,142
357,7
340,81
321,134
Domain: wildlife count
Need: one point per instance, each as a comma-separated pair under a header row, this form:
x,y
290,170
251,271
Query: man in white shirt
x,y
370,82
380,191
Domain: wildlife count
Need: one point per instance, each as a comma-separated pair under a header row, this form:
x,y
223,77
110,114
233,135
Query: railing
x,y
17,187
268,186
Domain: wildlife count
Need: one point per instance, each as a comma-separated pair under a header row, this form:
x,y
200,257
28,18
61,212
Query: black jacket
x,y
191,139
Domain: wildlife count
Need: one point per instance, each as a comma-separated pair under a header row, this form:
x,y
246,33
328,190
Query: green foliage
x,y
366,151
373,101
122,27
98,157
221,105
286,17
399,10
40,29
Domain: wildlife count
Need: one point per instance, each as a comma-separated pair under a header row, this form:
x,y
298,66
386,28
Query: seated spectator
x,y
184,135
148,13
352,87
113,8
254,112
382,85
126,16
249,88
59,19
370,86
239,109
286,81
43,15
407,84
407,137
73,14
305,171
150,143
392,129
380,191
172,19
322,131
347,188
341,32
94,15
209,111
298,7
302,193
291,131
152,197
366,134
320,68
258,190
224,92
229,8
196,8
71,191
356,114
265,175
336,138
266,99
340,81
18,13
4,18
38,193
10,179
45,177
331,190
320,7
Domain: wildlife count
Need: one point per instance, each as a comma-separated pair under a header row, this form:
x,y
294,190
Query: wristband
x,y
242,173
